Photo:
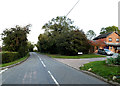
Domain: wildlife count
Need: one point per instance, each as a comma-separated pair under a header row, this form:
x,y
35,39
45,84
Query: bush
x,y
114,61
9,57
118,60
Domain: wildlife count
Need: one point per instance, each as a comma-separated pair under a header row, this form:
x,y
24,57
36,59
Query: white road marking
x,y
40,59
43,64
54,79
49,72
3,70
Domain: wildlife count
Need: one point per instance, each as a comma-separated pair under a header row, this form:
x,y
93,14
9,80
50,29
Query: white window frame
x,y
110,40
117,40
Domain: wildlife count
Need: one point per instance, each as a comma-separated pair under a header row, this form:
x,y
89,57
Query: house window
x,y
117,40
110,39
111,47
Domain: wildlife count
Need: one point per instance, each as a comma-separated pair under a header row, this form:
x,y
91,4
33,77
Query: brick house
x,y
109,41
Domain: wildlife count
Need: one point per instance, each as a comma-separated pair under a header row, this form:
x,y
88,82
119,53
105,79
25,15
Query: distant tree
x,y
30,46
109,29
15,39
90,34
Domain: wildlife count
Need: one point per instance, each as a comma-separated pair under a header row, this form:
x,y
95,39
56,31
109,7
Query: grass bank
x,y
75,57
16,61
102,69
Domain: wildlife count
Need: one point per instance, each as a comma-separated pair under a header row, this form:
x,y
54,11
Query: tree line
x,y
15,40
62,37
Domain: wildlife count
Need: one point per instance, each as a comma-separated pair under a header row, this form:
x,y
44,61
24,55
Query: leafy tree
x,y
61,37
109,29
30,46
90,34
15,39
72,43
59,25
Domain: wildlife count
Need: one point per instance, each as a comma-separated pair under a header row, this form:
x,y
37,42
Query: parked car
x,y
105,52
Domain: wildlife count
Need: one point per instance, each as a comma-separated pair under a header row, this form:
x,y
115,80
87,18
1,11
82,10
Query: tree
x,y
109,29
61,37
90,34
72,43
59,24
15,39
30,46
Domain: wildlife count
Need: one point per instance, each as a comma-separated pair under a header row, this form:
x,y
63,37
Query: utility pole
x,y
72,8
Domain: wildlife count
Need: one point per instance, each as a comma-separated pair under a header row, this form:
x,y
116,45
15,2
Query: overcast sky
x,y
87,15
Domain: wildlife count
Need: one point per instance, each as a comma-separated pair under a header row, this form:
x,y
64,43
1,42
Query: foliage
x,y
113,61
90,34
109,29
100,68
59,25
16,61
15,39
118,60
99,42
61,37
72,43
30,46
10,56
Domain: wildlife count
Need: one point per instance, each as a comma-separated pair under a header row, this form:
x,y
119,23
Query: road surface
x,y
40,69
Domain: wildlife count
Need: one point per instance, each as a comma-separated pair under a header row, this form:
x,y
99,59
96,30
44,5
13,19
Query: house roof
x,y
104,35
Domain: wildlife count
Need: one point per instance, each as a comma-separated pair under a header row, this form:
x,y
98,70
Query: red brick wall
x,y
114,36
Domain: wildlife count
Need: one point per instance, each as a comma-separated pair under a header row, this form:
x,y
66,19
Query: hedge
x,y
9,57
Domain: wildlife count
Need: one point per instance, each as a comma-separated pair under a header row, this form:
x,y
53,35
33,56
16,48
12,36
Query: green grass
x,y
75,57
102,69
14,62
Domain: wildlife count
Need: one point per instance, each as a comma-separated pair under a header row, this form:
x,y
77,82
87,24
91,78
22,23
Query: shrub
x,y
10,56
110,60
118,60
114,61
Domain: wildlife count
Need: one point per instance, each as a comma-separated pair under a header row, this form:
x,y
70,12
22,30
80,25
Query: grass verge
x,y
14,62
75,57
102,69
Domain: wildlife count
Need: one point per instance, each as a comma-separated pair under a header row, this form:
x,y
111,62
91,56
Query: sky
x,y
87,15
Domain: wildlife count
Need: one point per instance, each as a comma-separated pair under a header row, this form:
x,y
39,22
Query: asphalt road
x,y
40,69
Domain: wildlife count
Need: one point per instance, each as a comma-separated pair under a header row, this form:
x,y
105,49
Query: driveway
x,y
76,63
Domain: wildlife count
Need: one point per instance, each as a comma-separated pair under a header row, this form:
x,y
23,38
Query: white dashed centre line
x,y
49,72
54,79
43,64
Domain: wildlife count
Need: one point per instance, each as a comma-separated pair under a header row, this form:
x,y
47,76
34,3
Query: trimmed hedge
x,y
9,57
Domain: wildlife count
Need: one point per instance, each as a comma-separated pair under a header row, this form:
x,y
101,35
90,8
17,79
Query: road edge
x,y
92,74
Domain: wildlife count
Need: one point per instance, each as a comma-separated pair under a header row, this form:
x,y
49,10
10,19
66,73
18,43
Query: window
x,y
110,39
111,48
117,40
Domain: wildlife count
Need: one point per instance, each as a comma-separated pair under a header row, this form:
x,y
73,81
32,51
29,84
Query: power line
x,y
72,8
